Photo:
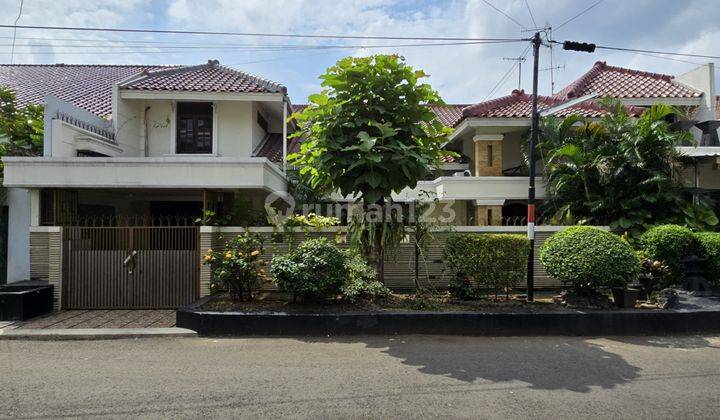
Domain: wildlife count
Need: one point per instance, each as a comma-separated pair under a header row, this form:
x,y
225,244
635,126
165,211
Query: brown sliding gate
x,y
130,267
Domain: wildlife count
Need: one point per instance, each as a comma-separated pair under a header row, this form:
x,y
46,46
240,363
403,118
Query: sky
x,y
461,73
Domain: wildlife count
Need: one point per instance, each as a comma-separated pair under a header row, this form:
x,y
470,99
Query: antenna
x,y
552,77
519,61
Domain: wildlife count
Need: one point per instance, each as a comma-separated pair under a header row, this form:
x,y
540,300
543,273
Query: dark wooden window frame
x,y
194,128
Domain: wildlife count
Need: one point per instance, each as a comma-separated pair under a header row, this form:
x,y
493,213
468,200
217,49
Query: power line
x,y
505,14
12,50
579,14
178,50
669,58
714,57
531,13
250,34
256,47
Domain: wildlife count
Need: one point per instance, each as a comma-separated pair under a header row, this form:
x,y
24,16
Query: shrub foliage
x,y
709,245
669,244
313,270
486,261
238,268
589,258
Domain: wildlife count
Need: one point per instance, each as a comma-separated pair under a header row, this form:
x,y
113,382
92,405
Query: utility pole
x,y
536,42
520,61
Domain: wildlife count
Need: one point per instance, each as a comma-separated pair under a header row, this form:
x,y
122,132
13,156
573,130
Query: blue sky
x,y
462,74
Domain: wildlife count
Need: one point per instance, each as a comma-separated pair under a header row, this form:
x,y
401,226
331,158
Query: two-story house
x,y
126,144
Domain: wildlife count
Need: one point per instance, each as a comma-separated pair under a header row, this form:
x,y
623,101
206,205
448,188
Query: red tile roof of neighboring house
x,y
210,77
619,82
448,114
519,105
271,147
86,86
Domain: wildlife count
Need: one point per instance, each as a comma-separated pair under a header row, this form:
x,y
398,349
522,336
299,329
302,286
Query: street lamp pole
x,y
536,42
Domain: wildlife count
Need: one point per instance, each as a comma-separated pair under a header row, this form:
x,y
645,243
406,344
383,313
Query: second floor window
x,y
194,127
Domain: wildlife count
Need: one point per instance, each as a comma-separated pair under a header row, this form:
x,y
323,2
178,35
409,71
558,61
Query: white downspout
x,y
284,133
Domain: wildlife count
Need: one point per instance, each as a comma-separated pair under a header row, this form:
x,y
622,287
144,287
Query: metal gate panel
x,y
130,267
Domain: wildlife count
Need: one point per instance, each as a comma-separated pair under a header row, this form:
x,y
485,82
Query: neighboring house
x,y
166,141
490,136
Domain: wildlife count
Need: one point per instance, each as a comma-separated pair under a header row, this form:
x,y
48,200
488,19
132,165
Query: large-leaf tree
x,y
619,171
21,130
367,134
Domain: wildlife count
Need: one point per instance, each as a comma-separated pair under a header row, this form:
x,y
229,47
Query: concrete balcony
x,y
123,172
486,188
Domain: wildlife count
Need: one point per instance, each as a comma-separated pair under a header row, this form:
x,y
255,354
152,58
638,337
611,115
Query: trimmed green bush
x,y
669,244
709,245
588,258
316,269
361,283
486,261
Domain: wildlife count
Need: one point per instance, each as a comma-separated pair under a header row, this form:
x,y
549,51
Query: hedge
x,y
709,245
588,258
486,261
669,244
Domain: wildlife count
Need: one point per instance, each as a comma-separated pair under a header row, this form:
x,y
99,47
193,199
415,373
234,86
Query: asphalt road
x,y
364,377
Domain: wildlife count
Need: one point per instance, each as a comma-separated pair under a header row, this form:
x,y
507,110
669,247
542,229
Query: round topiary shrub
x,y
316,269
669,244
709,245
589,258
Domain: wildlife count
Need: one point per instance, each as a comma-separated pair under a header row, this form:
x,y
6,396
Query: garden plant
x,y
589,259
237,268
486,262
619,171
368,134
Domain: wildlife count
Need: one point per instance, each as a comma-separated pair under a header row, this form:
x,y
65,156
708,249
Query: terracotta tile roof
x,y
271,147
519,105
86,86
298,107
210,77
448,114
619,82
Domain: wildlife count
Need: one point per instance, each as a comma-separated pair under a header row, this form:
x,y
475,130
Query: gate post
x,y
55,264
206,242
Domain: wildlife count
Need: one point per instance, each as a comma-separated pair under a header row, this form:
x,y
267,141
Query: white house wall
x,y
236,127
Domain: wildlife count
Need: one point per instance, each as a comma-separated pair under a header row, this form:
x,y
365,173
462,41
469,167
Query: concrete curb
x,y
608,323
92,333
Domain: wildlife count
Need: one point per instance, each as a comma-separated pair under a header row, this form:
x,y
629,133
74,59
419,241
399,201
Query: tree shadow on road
x,y
671,342
553,364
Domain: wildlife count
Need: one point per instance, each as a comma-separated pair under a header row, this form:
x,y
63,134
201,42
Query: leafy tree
x,y
618,171
21,128
367,134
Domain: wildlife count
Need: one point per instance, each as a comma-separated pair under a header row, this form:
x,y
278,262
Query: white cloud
x,y
460,73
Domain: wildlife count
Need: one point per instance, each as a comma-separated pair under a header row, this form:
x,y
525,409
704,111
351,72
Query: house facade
x,y
128,144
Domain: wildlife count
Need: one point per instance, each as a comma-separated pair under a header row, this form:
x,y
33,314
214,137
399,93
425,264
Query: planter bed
x,y
24,301
211,317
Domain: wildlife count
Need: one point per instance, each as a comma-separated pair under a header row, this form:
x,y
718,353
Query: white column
x,y
284,133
